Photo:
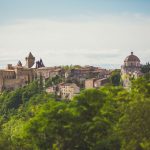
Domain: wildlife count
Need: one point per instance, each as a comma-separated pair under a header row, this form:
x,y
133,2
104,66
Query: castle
x,y
130,69
17,76
20,75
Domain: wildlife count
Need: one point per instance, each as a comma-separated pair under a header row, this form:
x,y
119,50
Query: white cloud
x,y
104,40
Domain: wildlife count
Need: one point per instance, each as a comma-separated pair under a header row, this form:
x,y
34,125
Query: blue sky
x,y
74,31
15,9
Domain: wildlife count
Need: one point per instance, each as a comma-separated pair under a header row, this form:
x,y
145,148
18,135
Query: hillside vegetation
x,y
109,118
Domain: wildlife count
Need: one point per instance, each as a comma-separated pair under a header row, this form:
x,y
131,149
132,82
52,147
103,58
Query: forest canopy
x,y
108,118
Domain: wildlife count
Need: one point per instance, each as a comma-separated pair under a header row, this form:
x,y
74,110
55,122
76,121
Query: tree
x,y
115,77
53,81
146,70
108,118
134,126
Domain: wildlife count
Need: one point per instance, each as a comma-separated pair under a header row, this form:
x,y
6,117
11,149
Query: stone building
x,y
79,75
64,90
17,76
68,90
130,69
95,83
50,72
88,72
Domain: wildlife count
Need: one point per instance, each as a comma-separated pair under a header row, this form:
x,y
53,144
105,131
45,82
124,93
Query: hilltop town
x,y
64,81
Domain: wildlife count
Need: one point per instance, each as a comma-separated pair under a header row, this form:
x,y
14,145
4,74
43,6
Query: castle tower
x,y
30,60
130,69
40,64
19,64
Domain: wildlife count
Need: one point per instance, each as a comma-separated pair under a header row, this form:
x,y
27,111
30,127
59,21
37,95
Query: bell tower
x,y
30,60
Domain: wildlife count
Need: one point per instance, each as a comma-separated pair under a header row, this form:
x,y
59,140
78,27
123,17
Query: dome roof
x,y
132,58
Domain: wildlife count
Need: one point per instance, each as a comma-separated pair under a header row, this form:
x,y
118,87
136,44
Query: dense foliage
x,y
146,70
109,118
115,77
53,81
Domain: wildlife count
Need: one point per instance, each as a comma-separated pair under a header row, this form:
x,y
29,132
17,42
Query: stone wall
x,y
11,84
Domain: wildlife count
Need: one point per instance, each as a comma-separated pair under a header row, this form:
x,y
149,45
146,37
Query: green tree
x,y
54,81
109,118
146,70
134,126
115,77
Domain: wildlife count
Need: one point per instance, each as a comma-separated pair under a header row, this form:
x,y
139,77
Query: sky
x,y
64,32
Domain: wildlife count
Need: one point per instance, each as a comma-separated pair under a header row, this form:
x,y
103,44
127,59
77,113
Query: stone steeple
x,y
19,63
30,55
30,60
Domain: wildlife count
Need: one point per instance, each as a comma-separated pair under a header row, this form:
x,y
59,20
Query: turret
x,y
19,64
40,64
30,60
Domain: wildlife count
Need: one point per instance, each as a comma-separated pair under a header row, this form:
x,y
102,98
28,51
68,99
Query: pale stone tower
x,y
130,69
30,60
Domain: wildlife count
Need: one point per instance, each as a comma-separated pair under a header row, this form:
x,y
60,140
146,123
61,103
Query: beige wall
x,y
13,83
12,79
69,91
89,83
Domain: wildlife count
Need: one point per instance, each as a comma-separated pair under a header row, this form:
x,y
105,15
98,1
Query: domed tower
x,y
30,60
132,61
130,69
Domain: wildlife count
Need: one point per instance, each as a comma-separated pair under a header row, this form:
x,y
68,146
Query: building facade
x,y
95,83
69,90
64,90
17,76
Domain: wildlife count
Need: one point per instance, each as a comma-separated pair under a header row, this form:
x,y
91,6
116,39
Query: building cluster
x,y
20,75
75,79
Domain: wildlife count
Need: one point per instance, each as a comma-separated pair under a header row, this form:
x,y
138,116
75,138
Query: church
x,y
130,69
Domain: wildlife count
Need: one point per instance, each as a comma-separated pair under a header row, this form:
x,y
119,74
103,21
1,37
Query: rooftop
x,y
132,57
